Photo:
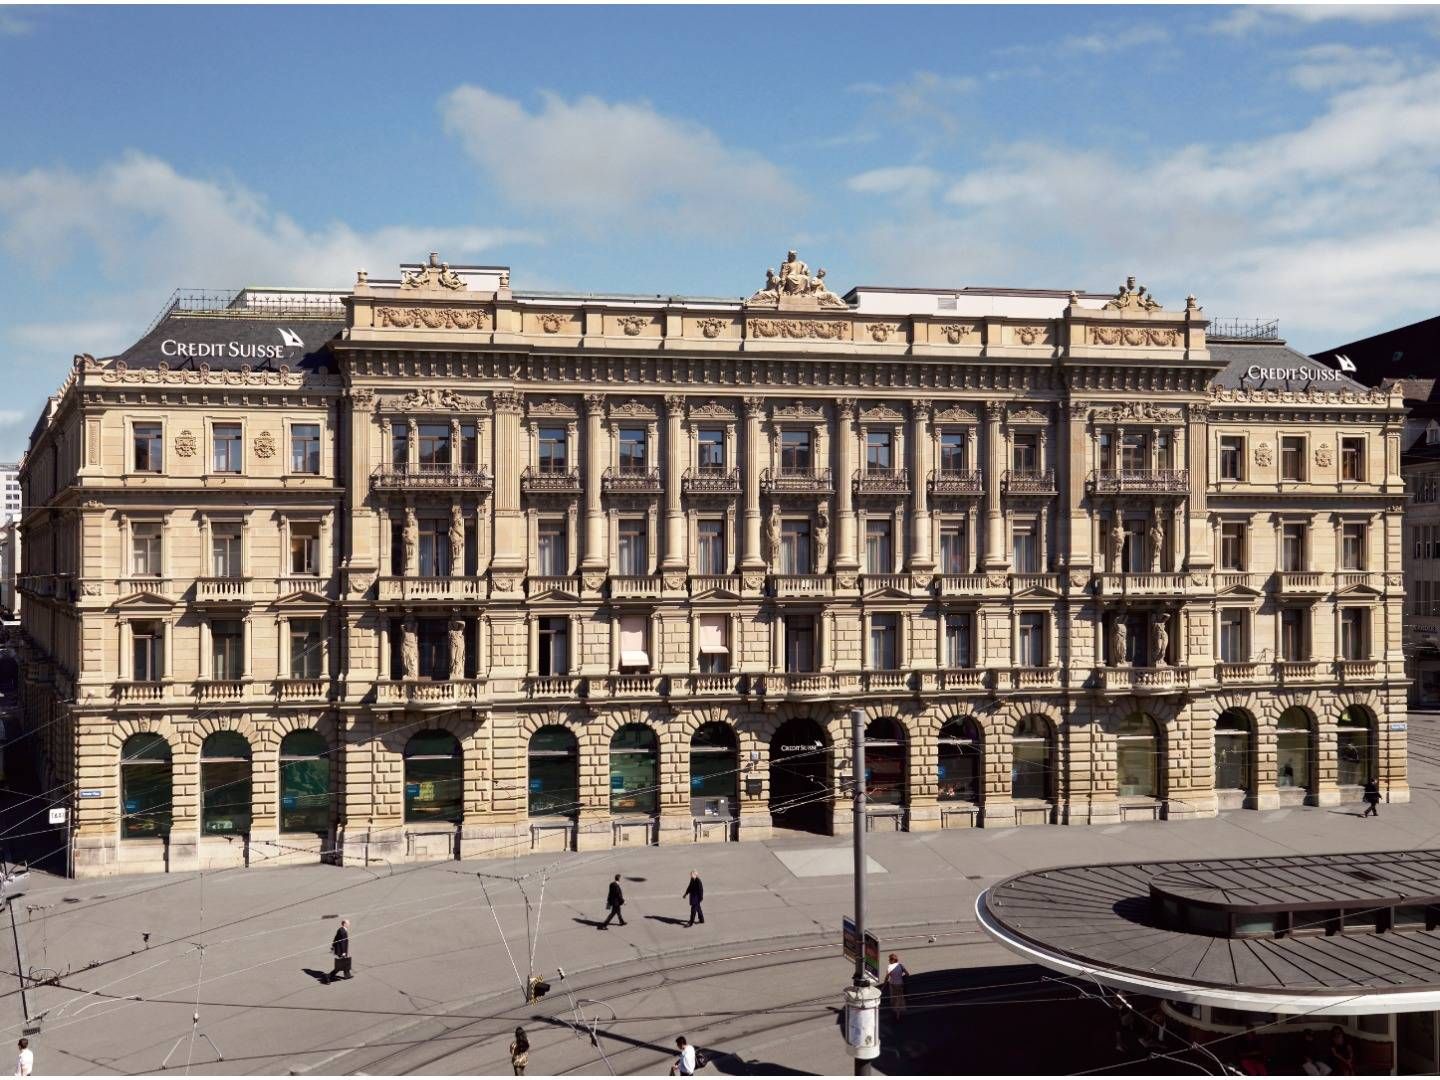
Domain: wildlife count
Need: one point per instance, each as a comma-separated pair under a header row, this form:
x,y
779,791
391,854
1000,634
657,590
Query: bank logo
x,y
235,350
291,339
1346,364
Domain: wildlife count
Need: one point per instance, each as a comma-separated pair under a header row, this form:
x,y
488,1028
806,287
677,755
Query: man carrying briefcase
x,y
341,948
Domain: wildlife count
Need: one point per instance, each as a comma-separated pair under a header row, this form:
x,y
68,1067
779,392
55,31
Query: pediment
x,y
1240,590
882,414
718,593
886,592
1359,589
145,598
1036,590
555,592
300,597
712,410
552,408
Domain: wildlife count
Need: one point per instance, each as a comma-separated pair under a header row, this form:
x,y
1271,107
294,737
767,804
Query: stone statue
x,y
794,275
1157,542
410,648
457,648
796,286
410,537
1119,640
822,539
772,535
1117,548
457,541
1162,640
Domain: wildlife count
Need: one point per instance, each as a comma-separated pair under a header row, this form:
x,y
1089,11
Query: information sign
x,y
850,939
872,956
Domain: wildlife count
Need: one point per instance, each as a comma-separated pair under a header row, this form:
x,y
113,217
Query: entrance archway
x,y
800,795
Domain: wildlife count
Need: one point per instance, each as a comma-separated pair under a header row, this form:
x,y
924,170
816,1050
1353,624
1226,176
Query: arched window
x,y
958,775
1232,751
714,771
305,797
1293,749
433,769
1353,747
145,787
634,771
1137,757
225,784
554,773
885,762
1032,771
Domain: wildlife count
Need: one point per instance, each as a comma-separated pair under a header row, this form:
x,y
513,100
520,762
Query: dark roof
x,y
184,340
1241,358
1403,353
1101,916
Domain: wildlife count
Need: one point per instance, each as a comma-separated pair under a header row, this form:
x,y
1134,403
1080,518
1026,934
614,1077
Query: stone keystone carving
x,y
794,286
1129,297
434,275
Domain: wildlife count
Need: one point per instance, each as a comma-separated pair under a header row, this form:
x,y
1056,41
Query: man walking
x,y
614,900
685,1063
695,893
1372,798
895,976
25,1061
340,946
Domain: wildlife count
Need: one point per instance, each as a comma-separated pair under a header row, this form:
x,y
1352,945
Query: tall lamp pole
x,y
862,998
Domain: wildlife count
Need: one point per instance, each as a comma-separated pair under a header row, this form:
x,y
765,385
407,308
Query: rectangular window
x,y
1032,639
634,655
632,450
1232,545
434,547
710,450
1292,547
1107,452
227,649
714,644
1164,458
554,645
710,546
795,453
957,642
1232,457
952,452
225,559
1233,649
147,655
1025,549
1353,644
1352,458
633,562
469,445
1352,546
1293,644
883,642
1292,457
434,446
877,451
795,547
879,550
307,650
550,547
1134,453
226,448
149,449
952,549
399,445
553,447
305,449
1025,454
145,554
433,638
305,549
799,643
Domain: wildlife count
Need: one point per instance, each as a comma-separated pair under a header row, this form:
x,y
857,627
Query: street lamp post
x,y
862,999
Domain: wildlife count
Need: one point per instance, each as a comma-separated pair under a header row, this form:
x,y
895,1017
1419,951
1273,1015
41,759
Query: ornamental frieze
x,y
797,328
1135,336
1310,396
552,408
423,318
1145,411
205,375
798,411
955,333
711,328
957,414
882,414
632,410
1027,415
712,410
432,398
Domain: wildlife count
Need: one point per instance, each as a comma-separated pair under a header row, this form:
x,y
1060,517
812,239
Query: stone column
x,y
457,541
846,557
922,558
751,559
411,544
412,444
1075,543
995,555
1198,554
596,557
509,523
674,464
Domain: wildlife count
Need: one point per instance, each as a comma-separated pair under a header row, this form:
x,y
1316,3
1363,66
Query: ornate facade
x,y
460,571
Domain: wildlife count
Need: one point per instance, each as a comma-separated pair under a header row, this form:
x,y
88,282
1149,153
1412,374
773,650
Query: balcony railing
x,y
960,584
428,477
1293,671
1028,482
554,686
302,689
539,585
535,481
890,682
629,686
1353,579
431,588
427,691
957,482
802,585
1352,671
797,481
632,481
1236,579
1301,582
1229,674
878,481
1027,678
960,679
128,586
1145,680
131,692
801,683
1026,582
635,586
1140,481
715,684
703,583
876,583
710,482
231,589
293,583
212,690
1161,584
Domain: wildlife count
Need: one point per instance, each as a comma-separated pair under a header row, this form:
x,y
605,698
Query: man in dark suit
x,y
340,946
614,900
695,893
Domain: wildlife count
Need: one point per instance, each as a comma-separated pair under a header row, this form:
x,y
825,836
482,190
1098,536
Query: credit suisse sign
x,y
235,350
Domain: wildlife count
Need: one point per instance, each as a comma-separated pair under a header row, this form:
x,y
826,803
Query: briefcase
x,y
342,965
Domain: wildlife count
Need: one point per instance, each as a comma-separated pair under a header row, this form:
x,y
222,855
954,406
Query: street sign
x,y
851,940
57,815
89,794
1398,725
872,956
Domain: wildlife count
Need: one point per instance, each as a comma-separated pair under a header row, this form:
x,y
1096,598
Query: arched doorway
x,y
885,762
1233,756
958,770
145,786
1137,758
800,795
1354,748
714,771
433,770
305,795
554,787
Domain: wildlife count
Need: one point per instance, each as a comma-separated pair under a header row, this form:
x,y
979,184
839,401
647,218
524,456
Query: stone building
x,y
434,568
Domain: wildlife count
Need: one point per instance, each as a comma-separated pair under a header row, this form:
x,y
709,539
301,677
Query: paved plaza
x,y
439,952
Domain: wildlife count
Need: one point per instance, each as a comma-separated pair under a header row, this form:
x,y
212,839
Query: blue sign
x,y
696,781
534,785
288,801
132,806
412,791
90,794
942,772
617,782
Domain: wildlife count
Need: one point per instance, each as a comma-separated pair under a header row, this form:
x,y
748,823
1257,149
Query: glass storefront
x,y
714,764
634,771
1137,758
885,762
305,795
1293,749
433,778
958,771
1352,747
1032,768
145,787
1232,752
554,773
225,785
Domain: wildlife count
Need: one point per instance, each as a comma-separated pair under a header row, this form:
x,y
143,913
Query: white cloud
x,y
13,25
895,180
1242,20
1110,41
1327,67
925,100
596,161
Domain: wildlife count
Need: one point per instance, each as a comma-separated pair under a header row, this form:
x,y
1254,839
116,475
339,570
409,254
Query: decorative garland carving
x,y
423,318
957,332
798,411
205,375
185,444
1134,335
1264,456
711,327
433,398
632,410
1324,456
881,331
551,321
265,445
1028,335
797,328
1310,396
712,410
633,324
1145,411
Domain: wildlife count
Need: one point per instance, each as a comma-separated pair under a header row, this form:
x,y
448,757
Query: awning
x,y
714,650
634,658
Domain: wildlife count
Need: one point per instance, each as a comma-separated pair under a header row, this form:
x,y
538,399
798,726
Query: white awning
x,y
632,634
634,658
714,650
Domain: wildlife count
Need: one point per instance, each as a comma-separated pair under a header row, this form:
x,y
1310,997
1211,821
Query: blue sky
x,y
1274,162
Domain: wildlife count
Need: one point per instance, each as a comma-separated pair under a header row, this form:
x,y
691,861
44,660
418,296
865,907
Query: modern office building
x,y
431,568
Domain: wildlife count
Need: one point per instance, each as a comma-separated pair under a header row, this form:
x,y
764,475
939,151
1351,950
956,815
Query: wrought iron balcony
x,y
876,481
632,481
1140,481
957,482
710,481
1028,482
535,481
428,477
787,481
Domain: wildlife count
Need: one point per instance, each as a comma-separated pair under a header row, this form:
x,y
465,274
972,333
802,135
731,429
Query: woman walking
x,y
519,1052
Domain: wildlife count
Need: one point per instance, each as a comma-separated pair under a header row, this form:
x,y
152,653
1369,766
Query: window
x,y
554,773
1232,457
226,448
434,547
224,784
634,770
1032,639
1234,649
1025,454
1232,751
149,448
710,546
1133,554
1352,748
434,447
1025,549
305,448
714,769
952,549
1352,458
399,445
553,640
304,549
879,551
1134,453
953,452
1232,546
1352,546
877,451
714,644
145,787
225,559
634,654
145,549
958,771
307,648
1292,547
1292,756
957,642
305,795
884,642
1164,458
1353,624
227,649
1032,769
632,450
795,453
1137,758
553,447
550,547
710,450
885,771
799,643
433,770
795,547
469,444
433,639
1292,457
633,562
1293,643
1107,451
148,651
